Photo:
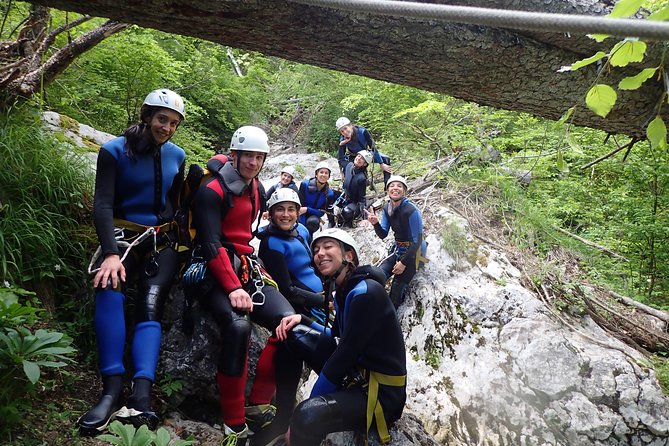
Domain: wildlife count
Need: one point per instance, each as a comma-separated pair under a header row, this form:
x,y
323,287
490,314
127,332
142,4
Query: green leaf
x,y
634,82
588,60
599,37
111,439
143,436
627,51
162,437
661,14
625,8
31,370
601,99
566,115
656,132
560,161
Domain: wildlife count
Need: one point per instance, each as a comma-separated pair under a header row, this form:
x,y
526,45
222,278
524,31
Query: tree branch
x,y
591,244
629,145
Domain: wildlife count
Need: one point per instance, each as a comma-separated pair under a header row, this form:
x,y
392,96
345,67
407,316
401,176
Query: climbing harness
x,y
119,235
502,18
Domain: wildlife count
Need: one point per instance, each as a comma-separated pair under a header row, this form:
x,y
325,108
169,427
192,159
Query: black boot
x,y
138,410
97,418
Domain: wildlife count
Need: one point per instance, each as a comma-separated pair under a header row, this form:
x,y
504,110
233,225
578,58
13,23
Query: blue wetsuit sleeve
x,y
372,147
323,386
341,155
383,226
103,202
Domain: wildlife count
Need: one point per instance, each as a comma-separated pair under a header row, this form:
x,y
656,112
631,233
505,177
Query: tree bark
x,y
514,70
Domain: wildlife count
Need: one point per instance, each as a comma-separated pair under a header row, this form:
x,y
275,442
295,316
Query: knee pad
x,y
313,223
347,214
302,341
149,305
235,337
312,412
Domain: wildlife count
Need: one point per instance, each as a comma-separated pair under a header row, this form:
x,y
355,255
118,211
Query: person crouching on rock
x,y
362,381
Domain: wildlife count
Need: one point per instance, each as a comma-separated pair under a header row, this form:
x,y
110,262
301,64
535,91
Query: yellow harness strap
x,y
374,409
136,227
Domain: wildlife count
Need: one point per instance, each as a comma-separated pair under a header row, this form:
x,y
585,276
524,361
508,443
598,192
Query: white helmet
x,y
341,236
398,178
322,165
284,194
167,99
290,170
250,139
341,122
367,155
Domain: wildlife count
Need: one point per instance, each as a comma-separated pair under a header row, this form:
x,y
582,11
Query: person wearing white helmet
x,y
284,249
287,179
354,138
225,208
138,179
316,194
355,188
407,254
366,366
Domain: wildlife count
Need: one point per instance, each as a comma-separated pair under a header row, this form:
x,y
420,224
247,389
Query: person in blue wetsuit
x,y
361,363
354,138
139,176
284,250
408,251
287,179
315,194
354,198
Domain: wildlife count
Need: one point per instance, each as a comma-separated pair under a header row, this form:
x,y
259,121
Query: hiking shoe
x,y
233,438
98,417
260,416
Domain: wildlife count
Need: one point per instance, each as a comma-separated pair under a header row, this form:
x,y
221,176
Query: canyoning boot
x,y
233,438
259,417
98,417
138,410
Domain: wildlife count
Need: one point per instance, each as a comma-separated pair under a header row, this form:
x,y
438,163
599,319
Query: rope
x,y
534,21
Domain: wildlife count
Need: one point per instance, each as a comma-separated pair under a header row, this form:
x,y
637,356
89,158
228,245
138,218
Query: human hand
x,y
371,216
398,268
111,268
265,215
287,324
241,300
386,168
303,209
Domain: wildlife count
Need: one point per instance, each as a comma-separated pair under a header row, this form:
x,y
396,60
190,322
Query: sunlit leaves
x,y
587,61
600,99
625,8
634,82
657,133
627,51
662,14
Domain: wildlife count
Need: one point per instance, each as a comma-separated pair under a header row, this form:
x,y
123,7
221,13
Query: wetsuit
x,y
225,208
278,186
407,225
287,257
316,202
371,345
355,188
142,191
361,140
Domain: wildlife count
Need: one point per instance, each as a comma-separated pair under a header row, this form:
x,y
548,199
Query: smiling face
x,y
323,175
347,131
248,164
163,124
284,215
396,190
286,178
359,161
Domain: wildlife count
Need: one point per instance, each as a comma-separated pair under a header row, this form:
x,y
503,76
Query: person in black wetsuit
x,y
139,176
239,290
408,252
366,366
354,198
354,138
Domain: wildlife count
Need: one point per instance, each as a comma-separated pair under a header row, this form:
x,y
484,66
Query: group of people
x,y
306,286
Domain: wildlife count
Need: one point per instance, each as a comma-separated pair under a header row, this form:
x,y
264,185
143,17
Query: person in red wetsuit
x,y
224,210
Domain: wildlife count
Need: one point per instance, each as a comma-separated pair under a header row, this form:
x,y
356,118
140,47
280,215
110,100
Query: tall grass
x,y
45,195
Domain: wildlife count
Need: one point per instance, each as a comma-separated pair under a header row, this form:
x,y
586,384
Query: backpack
x,y
197,176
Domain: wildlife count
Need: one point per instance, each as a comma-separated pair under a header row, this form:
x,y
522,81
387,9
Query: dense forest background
x,y
612,216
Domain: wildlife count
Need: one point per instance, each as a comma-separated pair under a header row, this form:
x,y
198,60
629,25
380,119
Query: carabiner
x,y
258,285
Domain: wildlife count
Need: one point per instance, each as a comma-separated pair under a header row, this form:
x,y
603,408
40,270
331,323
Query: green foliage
x,y
24,353
169,385
43,195
128,435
